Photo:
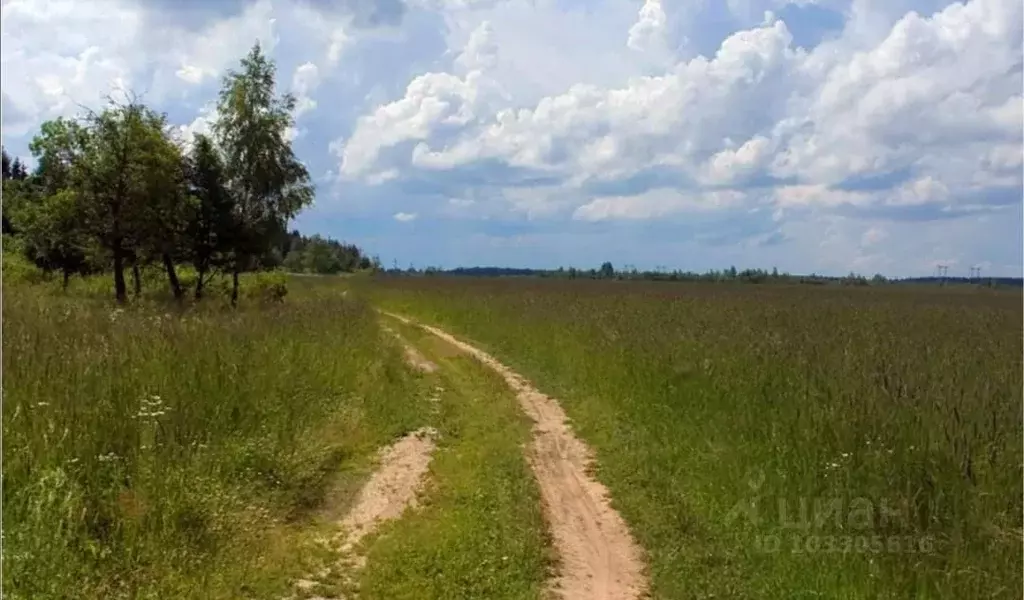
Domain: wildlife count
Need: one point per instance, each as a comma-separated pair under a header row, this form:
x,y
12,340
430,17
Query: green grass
x,y
479,533
702,400
152,453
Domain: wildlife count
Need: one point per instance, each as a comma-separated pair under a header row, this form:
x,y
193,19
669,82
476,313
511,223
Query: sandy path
x,y
599,559
392,488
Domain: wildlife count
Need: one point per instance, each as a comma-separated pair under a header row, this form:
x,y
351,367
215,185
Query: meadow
x,y
166,450
151,452
778,441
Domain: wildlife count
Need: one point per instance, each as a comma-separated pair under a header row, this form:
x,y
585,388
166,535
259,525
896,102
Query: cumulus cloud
x,y
433,103
201,125
480,52
590,132
404,217
921,102
897,128
205,54
61,55
649,30
43,81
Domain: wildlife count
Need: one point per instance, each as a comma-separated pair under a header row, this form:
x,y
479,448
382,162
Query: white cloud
x,y
731,165
202,124
900,133
667,120
404,217
433,102
933,85
648,33
205,55
304,83
927,98
340,41
58,54
656,203
480,52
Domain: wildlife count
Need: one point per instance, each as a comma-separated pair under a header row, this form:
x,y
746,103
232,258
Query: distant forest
x,y
755,276
324,256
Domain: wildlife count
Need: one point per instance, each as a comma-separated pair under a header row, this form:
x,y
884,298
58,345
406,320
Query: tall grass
x,y
780,442
155,453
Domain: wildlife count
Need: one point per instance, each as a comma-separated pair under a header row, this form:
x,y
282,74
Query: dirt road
x,y
599,558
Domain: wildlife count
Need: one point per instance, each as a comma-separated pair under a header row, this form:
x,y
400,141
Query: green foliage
x,y
16,268
269,183
155,455
52,236
701,400
113,191
129,177
267,287
252,129
58,149
212,226
323,256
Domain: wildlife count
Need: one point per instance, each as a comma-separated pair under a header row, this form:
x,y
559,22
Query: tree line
x,y
608,271
325,256
119,189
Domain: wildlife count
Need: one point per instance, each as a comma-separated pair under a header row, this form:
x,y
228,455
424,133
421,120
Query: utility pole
x,y
942,270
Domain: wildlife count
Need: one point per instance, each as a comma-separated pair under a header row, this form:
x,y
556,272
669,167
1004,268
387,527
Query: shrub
x,y
269,287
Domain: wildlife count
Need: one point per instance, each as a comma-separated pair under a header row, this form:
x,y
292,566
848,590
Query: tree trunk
x,y
120,289
234,287
200,280
67,276
172,278
137,279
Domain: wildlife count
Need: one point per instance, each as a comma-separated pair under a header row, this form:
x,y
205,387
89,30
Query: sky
x,y
827,136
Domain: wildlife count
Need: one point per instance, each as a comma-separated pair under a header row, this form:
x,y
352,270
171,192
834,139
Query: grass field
x,y
156,455
779,442
761,442
151,452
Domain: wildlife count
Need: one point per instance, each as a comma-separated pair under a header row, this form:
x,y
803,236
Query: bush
x,y
16,268
268,286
